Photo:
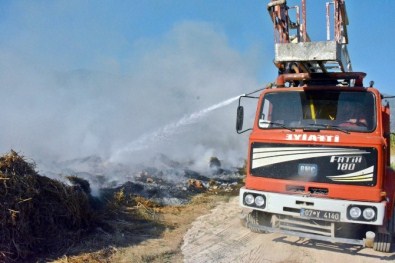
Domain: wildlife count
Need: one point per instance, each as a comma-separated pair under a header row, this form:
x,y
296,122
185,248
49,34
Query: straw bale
x,y
38,214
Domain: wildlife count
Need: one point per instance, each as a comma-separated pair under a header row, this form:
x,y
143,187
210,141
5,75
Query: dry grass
x,y
38,214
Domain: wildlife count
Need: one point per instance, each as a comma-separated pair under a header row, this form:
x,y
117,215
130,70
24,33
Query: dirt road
x,y
219,237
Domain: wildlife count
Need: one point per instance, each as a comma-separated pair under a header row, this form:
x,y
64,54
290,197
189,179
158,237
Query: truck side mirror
x,y
239,118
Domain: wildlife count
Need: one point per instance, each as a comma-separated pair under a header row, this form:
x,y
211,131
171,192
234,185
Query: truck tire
x,y
382,242
254,219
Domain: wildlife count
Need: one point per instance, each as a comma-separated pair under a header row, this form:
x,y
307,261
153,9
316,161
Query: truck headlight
x,y
259,200
355,212
369,213
249,199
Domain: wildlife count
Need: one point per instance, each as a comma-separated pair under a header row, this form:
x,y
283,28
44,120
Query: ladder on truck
x,y
296,53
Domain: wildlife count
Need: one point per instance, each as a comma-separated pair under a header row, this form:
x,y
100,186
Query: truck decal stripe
x,y
273,155
365,175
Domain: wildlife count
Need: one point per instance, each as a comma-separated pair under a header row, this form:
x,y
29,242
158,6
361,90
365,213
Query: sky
x,y
94,77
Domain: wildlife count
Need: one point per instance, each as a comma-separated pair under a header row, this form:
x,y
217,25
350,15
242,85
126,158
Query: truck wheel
x,y
254,219
382,242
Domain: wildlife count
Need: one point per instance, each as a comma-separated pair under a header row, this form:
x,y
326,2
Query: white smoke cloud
x,y
63,115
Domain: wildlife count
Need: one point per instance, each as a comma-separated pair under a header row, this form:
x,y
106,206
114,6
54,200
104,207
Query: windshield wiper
x,y
277,124
329,127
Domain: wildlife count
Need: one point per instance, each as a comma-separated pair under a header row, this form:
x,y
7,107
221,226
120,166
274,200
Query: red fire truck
x,y
319,150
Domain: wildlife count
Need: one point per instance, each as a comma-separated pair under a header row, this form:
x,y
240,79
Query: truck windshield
x,y
332,110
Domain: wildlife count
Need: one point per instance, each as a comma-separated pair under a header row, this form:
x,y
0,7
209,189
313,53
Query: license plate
x,y
319,214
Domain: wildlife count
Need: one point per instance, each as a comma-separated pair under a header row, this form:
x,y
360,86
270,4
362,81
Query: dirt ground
x,y
166,248
158,238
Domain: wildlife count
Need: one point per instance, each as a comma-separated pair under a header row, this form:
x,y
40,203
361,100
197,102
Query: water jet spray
x,y
147,140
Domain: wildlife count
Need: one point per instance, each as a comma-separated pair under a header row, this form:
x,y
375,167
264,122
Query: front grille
x,y
303,225
306,164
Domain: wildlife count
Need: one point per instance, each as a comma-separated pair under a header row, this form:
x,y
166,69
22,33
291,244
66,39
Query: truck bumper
x,y
308,207
315,218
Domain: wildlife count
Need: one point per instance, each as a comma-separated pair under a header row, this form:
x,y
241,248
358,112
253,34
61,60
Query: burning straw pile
x,y
38,214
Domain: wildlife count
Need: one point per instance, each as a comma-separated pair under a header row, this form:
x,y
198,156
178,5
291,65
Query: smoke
x,y
63,114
